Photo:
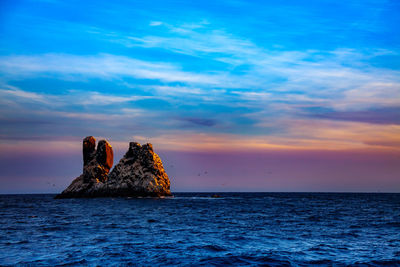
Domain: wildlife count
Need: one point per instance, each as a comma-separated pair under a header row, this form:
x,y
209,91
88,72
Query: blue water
x,y
272,229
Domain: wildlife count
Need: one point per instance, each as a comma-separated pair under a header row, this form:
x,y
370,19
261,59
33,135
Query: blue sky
x,y
208,75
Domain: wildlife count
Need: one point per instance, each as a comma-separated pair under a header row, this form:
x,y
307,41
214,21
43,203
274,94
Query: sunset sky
x,y
233,95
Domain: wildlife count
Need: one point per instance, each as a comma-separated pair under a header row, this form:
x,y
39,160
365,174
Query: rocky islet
x,y
140,173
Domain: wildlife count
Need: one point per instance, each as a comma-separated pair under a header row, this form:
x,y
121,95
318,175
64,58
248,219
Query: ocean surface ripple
x,y
237,229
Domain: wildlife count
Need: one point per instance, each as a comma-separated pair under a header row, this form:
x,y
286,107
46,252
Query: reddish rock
x,y
139,173
104,154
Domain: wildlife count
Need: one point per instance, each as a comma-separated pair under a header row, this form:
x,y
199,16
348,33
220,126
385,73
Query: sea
x,y
202,229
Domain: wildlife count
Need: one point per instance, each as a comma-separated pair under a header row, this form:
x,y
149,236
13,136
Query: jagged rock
x,y
139,173
96,166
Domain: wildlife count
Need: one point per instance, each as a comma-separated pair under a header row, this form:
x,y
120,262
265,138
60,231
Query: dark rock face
x,y
98,162
89,149
139,173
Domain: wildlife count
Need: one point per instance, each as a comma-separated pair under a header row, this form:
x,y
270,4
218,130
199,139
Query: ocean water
x,y
238,229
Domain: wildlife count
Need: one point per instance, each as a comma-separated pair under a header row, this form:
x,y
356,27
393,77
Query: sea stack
x,y
140,173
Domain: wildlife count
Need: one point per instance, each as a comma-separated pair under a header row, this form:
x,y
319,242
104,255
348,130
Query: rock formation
x,y
139,173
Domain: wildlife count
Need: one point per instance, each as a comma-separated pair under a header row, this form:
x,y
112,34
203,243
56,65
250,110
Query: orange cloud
x,y
300,135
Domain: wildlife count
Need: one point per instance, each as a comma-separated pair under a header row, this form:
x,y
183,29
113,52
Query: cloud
x,y
155,23
300,135
14,92
386,115
103,66
341,79
178,90
196,40
96,98
344,77
200,121
14,95
241,87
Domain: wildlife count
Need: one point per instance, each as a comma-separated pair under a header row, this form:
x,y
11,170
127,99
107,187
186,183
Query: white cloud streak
x,y
103,66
